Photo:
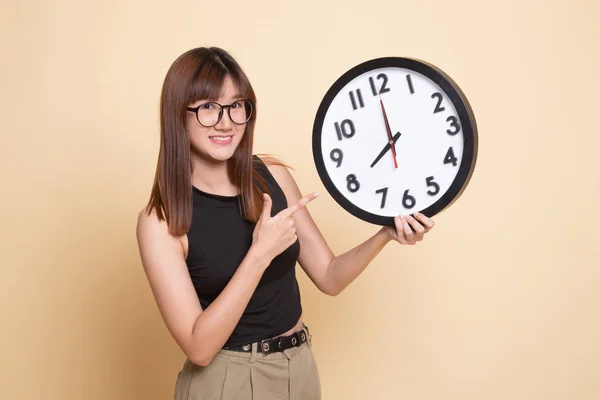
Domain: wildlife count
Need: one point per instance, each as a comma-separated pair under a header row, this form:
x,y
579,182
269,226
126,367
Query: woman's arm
x,y
199,333
330,273
202,333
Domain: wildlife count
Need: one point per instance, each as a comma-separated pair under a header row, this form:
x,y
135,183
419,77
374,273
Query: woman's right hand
x,y
273,235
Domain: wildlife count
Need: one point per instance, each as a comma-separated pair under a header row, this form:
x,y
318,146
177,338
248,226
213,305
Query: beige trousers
x,y
288,375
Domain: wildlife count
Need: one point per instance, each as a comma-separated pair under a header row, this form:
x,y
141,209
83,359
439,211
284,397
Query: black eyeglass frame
x,y
228,107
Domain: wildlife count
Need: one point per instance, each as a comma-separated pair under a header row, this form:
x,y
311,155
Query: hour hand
x,y
386,149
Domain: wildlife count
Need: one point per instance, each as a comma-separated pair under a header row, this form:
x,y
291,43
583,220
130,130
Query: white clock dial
x,y
428,151
412,105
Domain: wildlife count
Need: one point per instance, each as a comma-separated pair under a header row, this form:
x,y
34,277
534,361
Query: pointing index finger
x,y
300,204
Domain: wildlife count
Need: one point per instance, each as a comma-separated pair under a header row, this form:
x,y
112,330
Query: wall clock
x,y
394,136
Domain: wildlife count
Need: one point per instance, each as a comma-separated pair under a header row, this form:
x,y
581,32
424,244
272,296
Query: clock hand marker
x,y
389,131
386,148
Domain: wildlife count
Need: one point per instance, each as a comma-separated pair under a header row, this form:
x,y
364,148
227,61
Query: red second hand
x,y
387,128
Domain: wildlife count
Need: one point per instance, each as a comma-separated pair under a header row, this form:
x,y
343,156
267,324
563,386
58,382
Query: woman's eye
x,y
206,106
237,104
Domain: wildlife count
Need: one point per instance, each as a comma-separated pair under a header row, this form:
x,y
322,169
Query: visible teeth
x,y
221,138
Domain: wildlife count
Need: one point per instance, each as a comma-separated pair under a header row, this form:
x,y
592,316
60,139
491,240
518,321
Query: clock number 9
x,y
408,201
337,156
353,184
346,130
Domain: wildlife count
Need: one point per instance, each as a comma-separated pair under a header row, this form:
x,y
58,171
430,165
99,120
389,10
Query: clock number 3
x,y
353,184
454,124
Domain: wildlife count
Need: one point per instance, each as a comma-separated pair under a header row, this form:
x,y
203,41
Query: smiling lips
x,y
221,139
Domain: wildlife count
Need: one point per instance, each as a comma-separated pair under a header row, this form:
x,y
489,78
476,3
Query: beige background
x,y
499,302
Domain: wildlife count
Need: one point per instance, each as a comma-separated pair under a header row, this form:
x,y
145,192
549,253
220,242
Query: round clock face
x,y
394,136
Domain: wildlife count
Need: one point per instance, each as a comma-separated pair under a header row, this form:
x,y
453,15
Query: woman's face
x,y
216,143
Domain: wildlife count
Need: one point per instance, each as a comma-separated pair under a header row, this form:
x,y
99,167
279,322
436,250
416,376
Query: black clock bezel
x,y
455,95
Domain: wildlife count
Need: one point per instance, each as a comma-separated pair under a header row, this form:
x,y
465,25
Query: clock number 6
x,y
408,201
353,184
337,156
345,129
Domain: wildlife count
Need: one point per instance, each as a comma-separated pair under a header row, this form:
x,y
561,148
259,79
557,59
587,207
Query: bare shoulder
x,y
281,173
283,176
153,236
148,223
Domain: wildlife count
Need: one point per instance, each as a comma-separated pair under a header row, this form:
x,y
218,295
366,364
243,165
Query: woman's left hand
x,y
408,229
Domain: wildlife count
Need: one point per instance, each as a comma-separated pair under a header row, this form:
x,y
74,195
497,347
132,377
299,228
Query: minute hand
x,y
386,149
388,130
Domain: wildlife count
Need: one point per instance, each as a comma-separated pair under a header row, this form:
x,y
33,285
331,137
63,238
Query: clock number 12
x,y
383,88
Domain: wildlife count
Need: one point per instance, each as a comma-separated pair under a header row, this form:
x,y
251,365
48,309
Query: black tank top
x,y
218,240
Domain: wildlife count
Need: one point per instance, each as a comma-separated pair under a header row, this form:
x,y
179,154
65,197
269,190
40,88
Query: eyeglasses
x,y
209,114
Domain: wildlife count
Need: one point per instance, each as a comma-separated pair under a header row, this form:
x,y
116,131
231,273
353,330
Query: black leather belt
x,y
277,344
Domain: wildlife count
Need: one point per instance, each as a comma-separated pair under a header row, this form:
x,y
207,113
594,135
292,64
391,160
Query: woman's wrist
x,y
385,233
258,258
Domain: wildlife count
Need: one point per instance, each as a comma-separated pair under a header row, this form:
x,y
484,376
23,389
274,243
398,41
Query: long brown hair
x,y
199,74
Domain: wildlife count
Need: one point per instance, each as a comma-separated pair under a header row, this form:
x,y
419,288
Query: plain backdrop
x,y
500,301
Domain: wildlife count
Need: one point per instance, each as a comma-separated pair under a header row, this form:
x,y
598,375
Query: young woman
x,y
220,238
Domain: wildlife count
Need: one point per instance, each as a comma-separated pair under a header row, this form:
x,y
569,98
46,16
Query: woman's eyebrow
x,y
208,100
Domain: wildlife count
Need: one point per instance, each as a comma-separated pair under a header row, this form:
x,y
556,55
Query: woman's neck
x,y
212,177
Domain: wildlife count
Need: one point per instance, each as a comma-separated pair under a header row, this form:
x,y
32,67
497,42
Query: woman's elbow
x,y
200,361
331,290
200,357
